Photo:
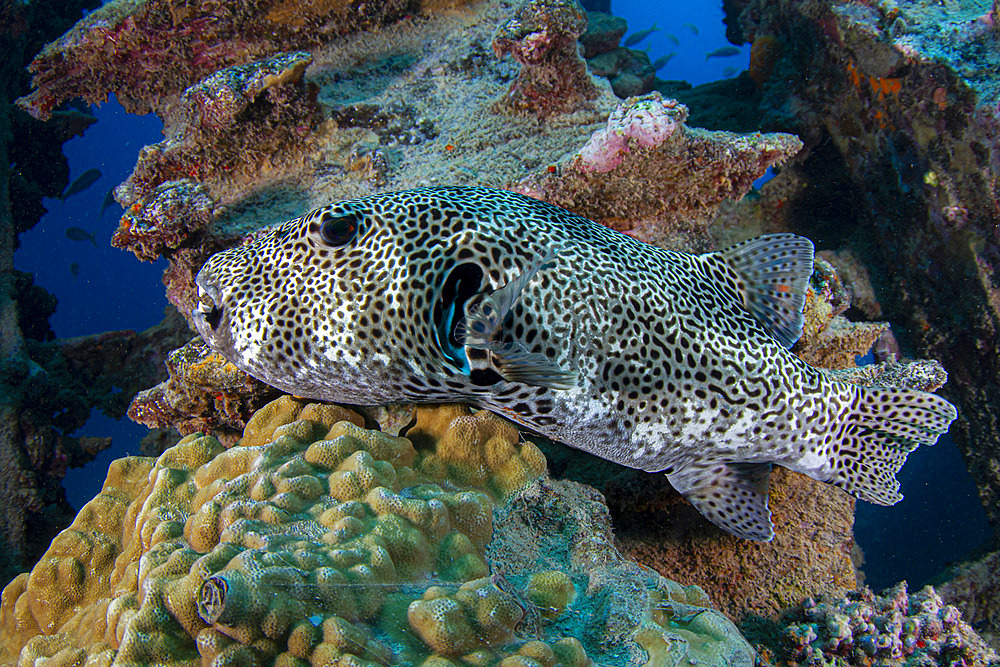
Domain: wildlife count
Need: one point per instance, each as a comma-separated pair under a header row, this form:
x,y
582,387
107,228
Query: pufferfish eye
x,y
339,230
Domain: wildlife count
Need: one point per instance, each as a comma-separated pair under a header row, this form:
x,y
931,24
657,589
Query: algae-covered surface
x,y
264,528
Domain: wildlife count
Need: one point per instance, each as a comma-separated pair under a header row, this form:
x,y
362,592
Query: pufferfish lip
x,y
210,301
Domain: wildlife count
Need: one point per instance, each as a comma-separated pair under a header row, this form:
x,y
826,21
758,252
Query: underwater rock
x,y
228,127
204,392
35,305
49,393
130,48
38,410
167,210
603,34
811,551
974,588
630,72
651,176
894,628
162,221
828,339
553,79
315,539
856,278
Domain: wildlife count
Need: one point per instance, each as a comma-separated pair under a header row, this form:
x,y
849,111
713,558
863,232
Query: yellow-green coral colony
x,y
658,360
284,546
314,541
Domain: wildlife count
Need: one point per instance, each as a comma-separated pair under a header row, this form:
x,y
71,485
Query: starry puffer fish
x,y
663,361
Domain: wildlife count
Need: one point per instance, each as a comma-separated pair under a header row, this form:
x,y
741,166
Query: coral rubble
x,y
316,540
895,628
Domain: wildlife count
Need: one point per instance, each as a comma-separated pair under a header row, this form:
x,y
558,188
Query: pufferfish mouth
x,y
209,307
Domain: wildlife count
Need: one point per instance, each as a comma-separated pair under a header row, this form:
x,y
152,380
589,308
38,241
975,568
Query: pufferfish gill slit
x,y
658,360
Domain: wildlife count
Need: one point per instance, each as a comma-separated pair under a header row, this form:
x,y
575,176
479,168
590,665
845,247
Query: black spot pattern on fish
x,y
680,360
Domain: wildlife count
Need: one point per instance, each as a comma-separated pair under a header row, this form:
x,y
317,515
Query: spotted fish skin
x,y
658,360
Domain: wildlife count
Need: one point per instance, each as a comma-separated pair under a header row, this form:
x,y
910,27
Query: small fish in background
x,y
729,71
80,234
74,269
109,199
672,39
692,27
85,180
662,61
724,52
637,37
71,122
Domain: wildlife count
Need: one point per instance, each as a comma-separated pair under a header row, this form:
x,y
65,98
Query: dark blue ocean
x,y
939,522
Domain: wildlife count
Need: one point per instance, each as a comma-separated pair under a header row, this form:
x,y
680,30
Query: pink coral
x,y
633,124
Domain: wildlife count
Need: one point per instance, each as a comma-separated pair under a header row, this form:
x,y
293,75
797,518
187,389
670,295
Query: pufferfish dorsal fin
x,y
481,326
774,270
733,496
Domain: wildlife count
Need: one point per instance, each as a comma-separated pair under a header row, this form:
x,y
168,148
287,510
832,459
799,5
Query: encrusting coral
x,y
317,540
100,55
204,392
895,628
648,174
830,340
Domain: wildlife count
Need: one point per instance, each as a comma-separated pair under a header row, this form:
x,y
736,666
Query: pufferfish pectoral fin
x,y
516,364
485,315
775,271
733,496
480,330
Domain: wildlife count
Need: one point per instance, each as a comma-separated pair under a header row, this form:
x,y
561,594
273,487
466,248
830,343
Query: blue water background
x,y
939,521
113,289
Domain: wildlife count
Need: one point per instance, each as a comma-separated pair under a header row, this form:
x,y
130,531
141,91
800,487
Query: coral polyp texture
x,y
317,540
894,628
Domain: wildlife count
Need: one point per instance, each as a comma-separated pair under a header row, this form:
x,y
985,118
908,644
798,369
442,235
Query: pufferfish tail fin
x,y
881,427
774,272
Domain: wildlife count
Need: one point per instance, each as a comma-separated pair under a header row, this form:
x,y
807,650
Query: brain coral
x,y
314,540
